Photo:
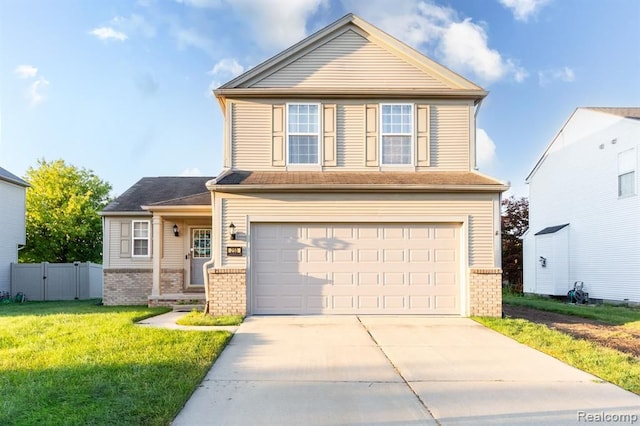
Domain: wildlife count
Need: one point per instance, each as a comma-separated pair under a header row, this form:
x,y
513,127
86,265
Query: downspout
x,y
475,134
205,271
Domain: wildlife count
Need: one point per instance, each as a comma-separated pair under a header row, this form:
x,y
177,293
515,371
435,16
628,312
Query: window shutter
x,y
329,134
371,135
125,239
277,133
422,135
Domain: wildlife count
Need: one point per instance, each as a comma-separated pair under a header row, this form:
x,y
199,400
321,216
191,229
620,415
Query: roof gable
x,y
341,55
585,121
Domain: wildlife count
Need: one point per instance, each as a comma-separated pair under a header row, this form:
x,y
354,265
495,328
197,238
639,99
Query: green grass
x,y
77,363
605,363
610,314
195,317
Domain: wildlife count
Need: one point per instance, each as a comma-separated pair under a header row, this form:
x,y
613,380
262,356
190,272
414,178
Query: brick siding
x,y
485,292
171,281
227,291
127,286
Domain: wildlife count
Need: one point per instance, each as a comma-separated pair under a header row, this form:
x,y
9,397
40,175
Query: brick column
x,y
485,292
227,291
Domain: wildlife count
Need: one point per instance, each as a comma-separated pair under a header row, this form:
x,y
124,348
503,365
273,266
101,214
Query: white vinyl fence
x,y
57,281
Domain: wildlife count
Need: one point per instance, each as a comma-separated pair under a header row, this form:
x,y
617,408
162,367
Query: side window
x,y
303,133
396,134
627,173
141,238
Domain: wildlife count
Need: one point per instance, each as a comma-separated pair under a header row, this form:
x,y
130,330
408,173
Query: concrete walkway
x,y
169,319
345,370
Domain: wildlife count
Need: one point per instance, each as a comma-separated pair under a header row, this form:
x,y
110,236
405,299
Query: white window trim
x,y
319,135
412,162
624,171
134,238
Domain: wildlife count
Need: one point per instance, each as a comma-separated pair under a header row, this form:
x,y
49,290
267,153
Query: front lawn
x,y
77,363
610,314
196,317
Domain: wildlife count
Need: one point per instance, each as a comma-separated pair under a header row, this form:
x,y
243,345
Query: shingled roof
x,y
164,190
358,180
7,176
630,112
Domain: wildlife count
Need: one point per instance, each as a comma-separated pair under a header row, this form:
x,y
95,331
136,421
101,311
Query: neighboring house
x,y
13,219
584,208
348,187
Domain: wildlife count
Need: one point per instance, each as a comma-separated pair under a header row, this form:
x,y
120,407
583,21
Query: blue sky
x,y
124,87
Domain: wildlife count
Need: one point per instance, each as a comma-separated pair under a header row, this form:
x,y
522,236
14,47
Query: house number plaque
x,y
234,251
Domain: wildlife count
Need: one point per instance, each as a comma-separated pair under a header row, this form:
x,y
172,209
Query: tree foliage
x,y
63,224
515,221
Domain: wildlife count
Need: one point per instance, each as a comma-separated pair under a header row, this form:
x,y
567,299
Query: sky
x,y
123,87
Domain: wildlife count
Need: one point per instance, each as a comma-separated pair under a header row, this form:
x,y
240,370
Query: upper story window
x,y
141,238
396,134
303,133
627,173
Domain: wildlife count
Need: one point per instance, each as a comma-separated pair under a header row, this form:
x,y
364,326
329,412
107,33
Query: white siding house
x,y
12,219
584,208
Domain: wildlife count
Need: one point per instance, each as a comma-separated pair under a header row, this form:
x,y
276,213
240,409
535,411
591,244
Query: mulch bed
x,y
612,336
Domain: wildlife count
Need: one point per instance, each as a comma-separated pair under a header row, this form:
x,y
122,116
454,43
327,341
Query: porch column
x,y
157,254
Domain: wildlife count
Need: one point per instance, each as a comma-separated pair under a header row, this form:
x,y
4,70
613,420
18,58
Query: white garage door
x,y
310,268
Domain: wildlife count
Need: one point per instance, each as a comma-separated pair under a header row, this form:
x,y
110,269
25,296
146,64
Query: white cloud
x,y
194,171
485,149
108,33
564,74
187,37
275,24
228,67
134,24
458,43
36,91
523,9
26,71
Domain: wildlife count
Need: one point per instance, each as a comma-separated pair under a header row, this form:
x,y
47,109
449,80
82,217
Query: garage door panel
x,y
355,268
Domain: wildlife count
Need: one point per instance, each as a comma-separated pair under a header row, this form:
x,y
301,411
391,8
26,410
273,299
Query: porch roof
x,y
337,181
163,190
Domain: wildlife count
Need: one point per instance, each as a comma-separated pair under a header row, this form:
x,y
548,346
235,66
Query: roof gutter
x,y
341,92
356,188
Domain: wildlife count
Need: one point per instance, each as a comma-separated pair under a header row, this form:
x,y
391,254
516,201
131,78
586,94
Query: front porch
x,y
179,301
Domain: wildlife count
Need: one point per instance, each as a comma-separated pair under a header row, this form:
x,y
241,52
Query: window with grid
x,y
627,173
396,133
141,238
303,130
202,243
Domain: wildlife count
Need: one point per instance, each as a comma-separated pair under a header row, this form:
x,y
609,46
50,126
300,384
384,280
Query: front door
x,y
200,253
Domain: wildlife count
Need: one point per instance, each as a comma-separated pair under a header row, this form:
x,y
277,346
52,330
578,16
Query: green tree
x,y
63,224
515,221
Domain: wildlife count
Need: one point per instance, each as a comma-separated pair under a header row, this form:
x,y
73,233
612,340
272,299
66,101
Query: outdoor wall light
x,y
232,231
175,230
543,261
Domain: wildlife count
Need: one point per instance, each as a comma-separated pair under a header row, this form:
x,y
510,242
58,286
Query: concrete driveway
x,y
374,370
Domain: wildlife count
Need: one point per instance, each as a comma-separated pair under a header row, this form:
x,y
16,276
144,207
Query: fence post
x,y
76,276
45,283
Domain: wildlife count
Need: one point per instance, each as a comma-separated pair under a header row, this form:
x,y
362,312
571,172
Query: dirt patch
x,y
612,336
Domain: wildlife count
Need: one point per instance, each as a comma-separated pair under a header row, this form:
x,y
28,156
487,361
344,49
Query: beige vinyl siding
x,y
330,207
450,133
350,61
173,249
350,144
252,135
259,144
119,244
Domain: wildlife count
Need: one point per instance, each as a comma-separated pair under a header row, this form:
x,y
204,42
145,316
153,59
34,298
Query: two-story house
x,y
349,186
584,208
13,220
